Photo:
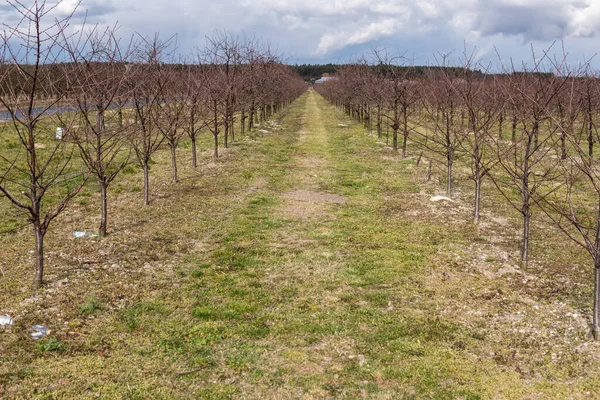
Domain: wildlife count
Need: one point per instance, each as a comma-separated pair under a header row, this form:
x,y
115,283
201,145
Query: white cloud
x,y
365,34
346,23
327,30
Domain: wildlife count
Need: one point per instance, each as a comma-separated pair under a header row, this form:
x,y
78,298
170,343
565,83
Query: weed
x,y
91,306
48,345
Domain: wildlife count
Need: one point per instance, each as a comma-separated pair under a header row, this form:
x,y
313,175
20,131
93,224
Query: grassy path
x,y
305,266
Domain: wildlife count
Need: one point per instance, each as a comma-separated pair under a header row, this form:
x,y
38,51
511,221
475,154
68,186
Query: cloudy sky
x,y
319,31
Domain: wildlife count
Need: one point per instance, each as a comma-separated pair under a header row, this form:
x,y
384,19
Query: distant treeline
x,y
316,71
312,72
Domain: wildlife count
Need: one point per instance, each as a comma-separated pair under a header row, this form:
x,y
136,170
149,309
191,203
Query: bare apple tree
x,y
442,134
575,206
194,107
401,92
100,78
480,101
145,137
170,108
40,176
526,162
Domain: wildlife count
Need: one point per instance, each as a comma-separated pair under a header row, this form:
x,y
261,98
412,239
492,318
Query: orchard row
x,y
529,129
80,107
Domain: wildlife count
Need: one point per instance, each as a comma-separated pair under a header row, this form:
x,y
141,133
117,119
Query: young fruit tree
x,y
401,91
193,106
479,101
170,109
101,136
442,134
526,165
573,204
223,51
40,176
145,137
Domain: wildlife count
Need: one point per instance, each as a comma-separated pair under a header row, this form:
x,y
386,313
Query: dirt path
x,y
311,166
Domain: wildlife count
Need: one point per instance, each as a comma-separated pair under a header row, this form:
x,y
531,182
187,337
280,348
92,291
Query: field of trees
x,y
211,227
114,104
530,130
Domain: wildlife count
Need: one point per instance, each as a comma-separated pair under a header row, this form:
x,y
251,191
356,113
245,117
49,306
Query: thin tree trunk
x,y
146,183
173,161
590,136
525,244
596,256
449,165
379,120
449,161
216,153
216,130
39,255
477,196
405,134
242,122
103,209
395,127
449,146
194,155
596,311
226,133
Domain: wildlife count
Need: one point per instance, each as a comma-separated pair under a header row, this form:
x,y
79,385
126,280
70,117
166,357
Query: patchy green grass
x,y
91,305
307,262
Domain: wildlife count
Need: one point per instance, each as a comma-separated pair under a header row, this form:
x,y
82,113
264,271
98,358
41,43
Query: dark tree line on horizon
x,y
312,72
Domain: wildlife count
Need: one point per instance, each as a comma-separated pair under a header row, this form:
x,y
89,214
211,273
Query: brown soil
x,y
308,204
